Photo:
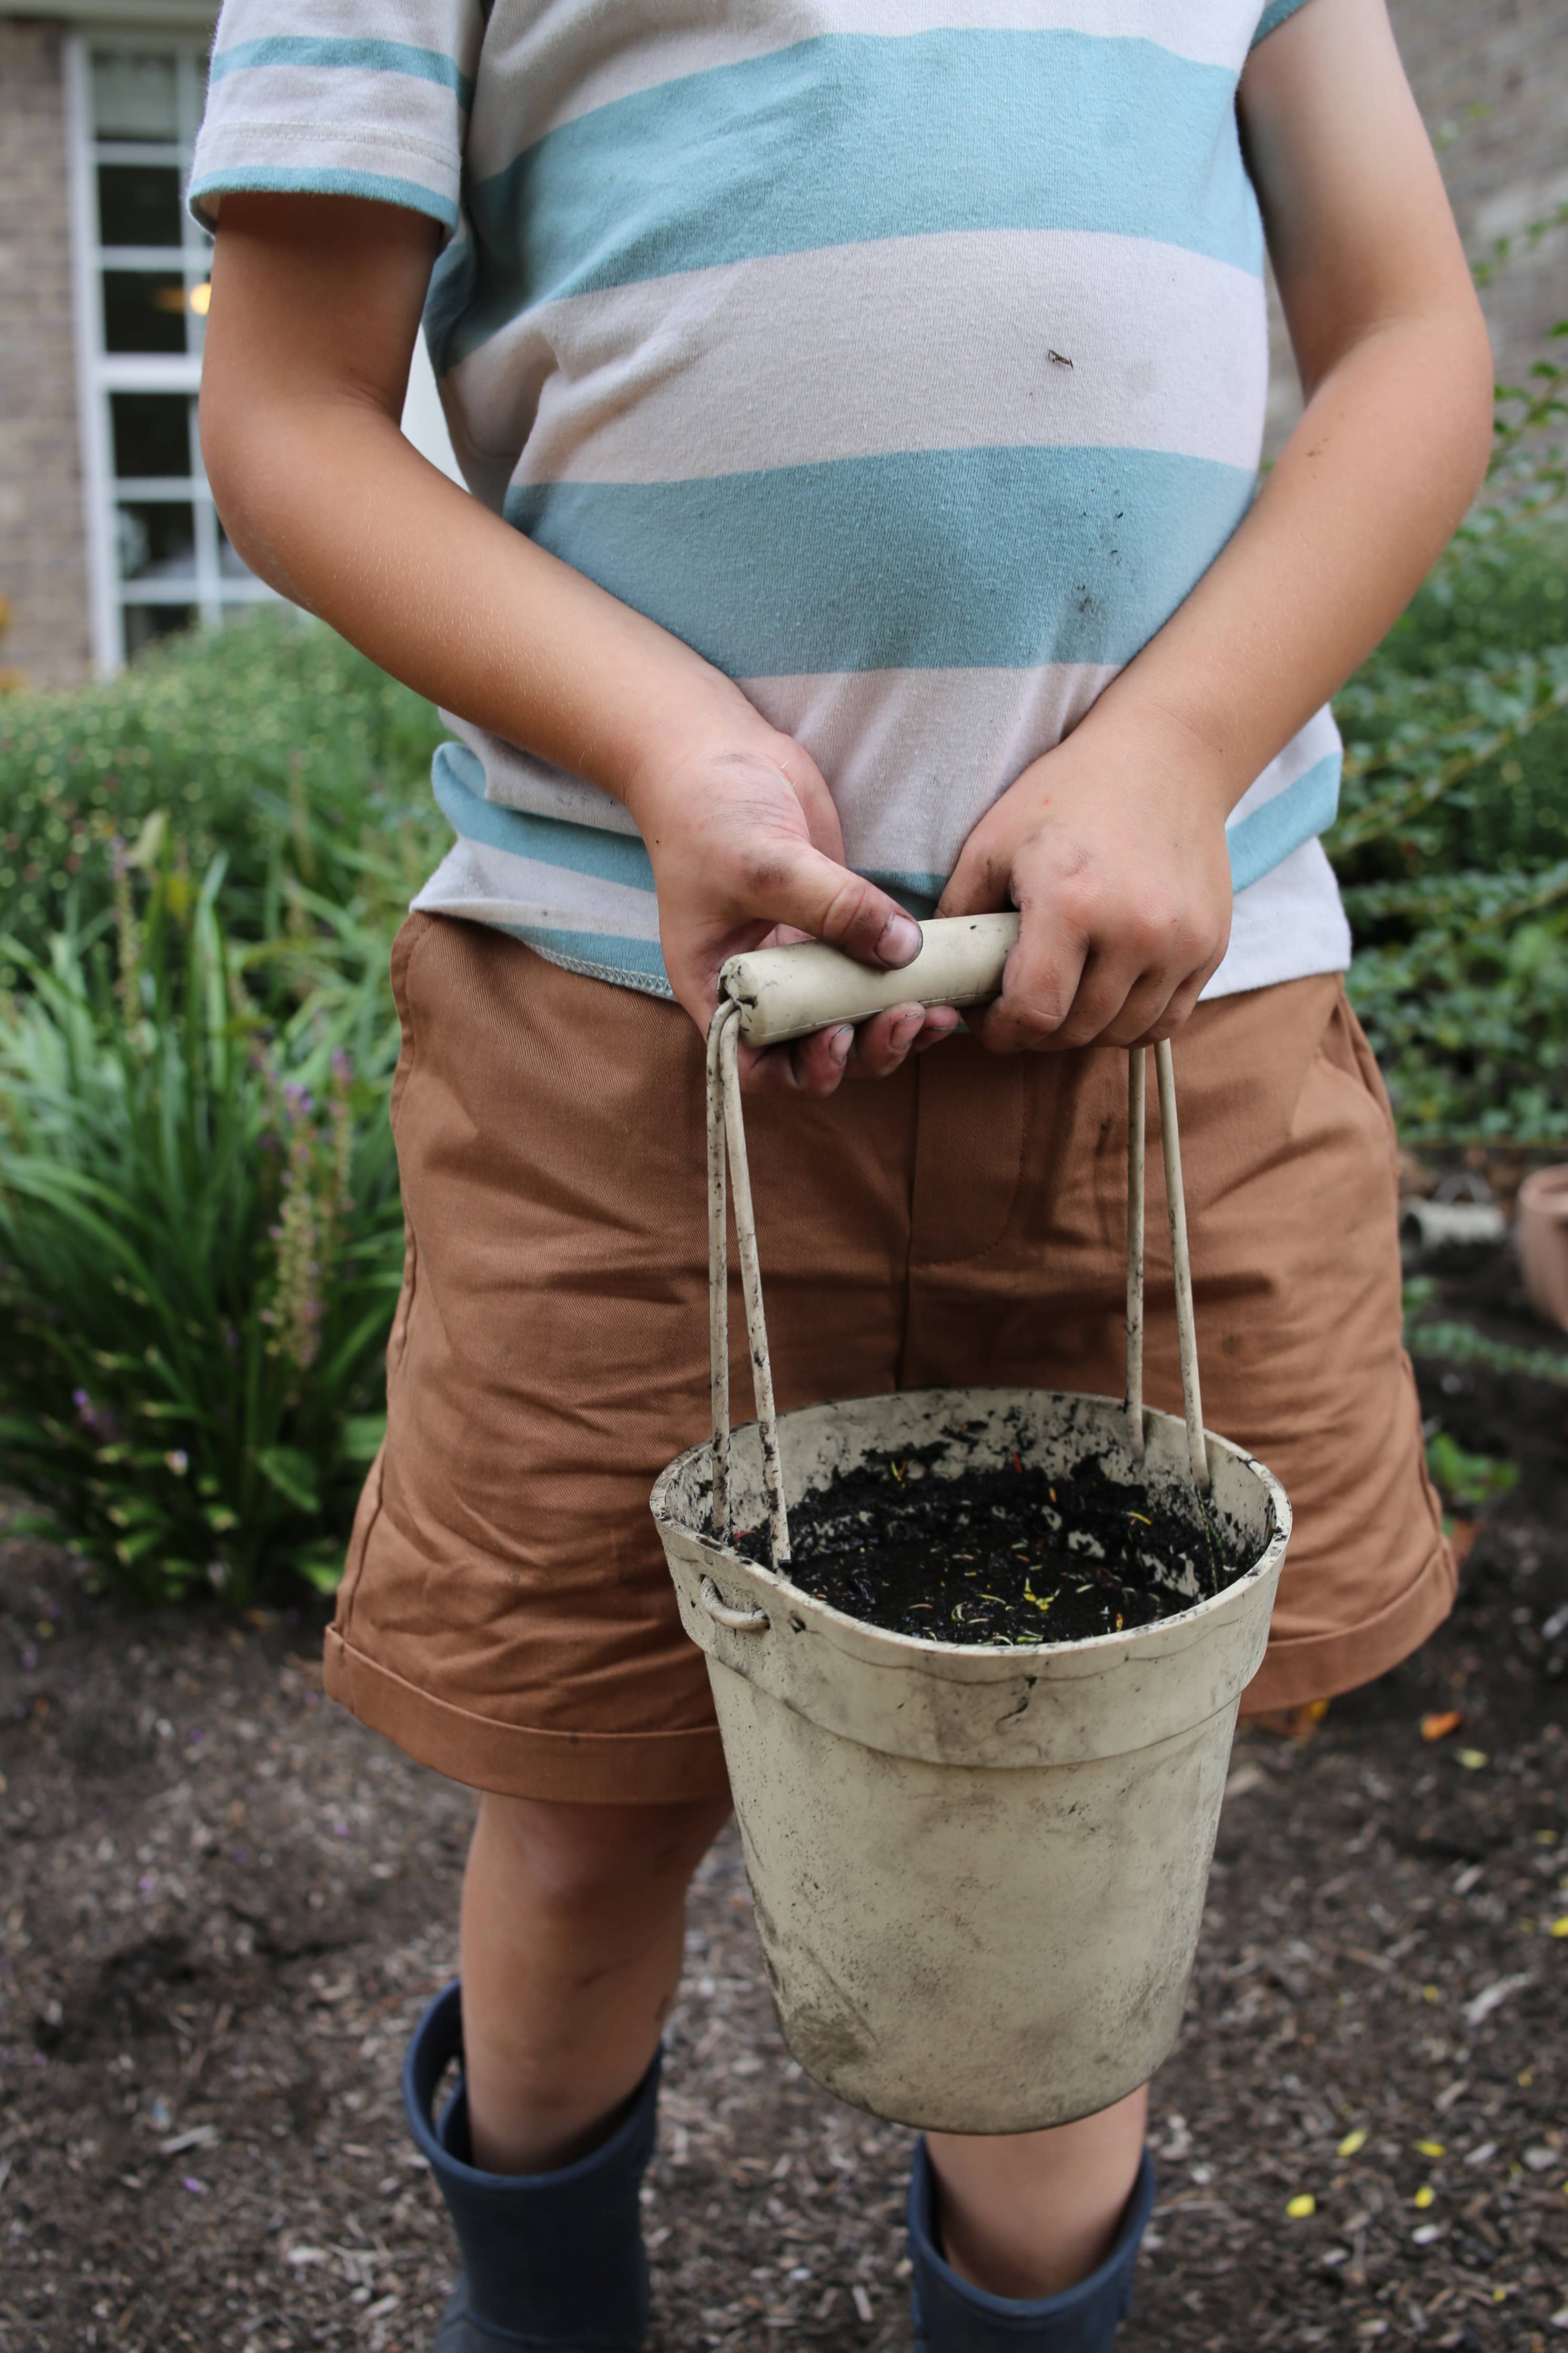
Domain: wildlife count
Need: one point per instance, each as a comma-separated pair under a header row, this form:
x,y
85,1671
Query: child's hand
x,y
747,851
1113,849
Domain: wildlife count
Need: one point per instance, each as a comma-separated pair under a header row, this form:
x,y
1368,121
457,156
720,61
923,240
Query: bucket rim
x,y
1091,1646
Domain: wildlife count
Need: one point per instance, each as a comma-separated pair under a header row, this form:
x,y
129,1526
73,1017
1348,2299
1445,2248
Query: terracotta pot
x,y
1543,1229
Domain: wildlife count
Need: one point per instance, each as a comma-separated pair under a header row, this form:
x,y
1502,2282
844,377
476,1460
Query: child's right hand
x,y
747,851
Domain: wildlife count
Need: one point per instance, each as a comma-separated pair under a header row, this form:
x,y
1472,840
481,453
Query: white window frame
x,y
209,590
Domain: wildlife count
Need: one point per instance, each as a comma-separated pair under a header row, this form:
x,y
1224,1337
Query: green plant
x,y
272,743
1467,1480
200,1242
1460,1344
1452,842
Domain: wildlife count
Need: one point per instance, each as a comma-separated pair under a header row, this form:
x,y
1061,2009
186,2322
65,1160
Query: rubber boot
x,y
950,2316
552,2263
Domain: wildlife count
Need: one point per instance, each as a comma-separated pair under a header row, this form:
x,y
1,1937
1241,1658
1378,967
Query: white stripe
x,y
453,27
915,757
1318,740
1288,923
496,886
543,67
327,107
966,340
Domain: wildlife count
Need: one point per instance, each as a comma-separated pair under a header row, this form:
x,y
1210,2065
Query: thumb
x,y
796,884
978,884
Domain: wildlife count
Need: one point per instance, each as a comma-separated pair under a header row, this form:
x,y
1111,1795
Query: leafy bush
x,y
1452,842
272,743
200,1242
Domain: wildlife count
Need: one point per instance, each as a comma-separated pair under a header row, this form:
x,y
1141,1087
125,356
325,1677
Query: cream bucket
x,y
978,1873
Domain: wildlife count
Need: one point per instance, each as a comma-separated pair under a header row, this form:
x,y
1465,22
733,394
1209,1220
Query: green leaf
x,y
361,1437
325,1575
1468,1480
291,1471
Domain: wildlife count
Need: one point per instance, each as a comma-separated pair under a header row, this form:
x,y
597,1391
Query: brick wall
x,y
43,554
1491,79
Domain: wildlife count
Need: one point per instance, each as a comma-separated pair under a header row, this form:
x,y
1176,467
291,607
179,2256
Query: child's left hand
x,y
1113,849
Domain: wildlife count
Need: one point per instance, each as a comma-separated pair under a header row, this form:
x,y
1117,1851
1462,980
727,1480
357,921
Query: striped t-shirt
x,y
906,358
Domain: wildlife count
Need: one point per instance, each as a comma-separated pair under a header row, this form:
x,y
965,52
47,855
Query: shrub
x,y
272,743
1452,842
200,1243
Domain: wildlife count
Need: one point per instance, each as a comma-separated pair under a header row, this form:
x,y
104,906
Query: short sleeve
x,y
1273,17
377,108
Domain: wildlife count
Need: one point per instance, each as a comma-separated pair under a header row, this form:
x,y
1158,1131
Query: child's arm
x,y
1113,845
315,305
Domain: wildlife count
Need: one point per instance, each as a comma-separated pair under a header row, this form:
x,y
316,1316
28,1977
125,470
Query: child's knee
x,y
580,1860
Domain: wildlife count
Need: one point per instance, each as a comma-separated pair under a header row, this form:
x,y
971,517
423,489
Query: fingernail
x,y
839,1046
900,939
906,1025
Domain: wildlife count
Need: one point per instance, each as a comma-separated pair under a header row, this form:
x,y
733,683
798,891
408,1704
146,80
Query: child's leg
x,y
1030,2214
572,1933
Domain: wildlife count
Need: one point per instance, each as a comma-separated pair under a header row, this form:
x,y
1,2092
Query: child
x,y
862,402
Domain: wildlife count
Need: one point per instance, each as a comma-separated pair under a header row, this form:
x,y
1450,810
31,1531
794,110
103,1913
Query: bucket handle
x,y
727,1142
739,1621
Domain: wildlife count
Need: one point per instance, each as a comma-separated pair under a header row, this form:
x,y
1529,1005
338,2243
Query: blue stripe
x,y
457,774
924,560
553,841
916,893
371,57
606,953
319,180
1273,17
851,137
1260,842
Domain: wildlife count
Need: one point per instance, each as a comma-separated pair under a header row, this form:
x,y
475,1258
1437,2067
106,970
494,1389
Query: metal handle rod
x,y
719,1277
752,1290
1137,1090
1176,1208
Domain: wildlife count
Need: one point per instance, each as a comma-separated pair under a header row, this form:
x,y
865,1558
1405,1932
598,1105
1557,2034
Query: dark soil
x,y
223,1903
1005,1555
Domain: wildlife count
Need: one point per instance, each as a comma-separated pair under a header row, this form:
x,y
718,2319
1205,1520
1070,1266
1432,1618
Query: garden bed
x,y
225,1904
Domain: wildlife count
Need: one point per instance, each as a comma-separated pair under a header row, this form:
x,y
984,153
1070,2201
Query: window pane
x,y
145,624
156,540
144,310
152,433
229,563
134,95
139,204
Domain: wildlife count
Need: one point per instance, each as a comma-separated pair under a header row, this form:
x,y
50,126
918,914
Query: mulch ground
x,y
222,1904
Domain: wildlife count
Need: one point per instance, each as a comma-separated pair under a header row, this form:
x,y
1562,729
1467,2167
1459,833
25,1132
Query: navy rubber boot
x,y
950,2316
552,2263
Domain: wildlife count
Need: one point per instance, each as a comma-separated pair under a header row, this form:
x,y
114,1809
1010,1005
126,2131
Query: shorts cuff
x,y
1320,1666
594,1768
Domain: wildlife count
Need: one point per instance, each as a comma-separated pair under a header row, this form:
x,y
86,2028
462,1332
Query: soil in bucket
x,y
1012,1554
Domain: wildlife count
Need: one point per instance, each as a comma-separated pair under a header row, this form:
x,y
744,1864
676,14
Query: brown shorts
x,y
506,1615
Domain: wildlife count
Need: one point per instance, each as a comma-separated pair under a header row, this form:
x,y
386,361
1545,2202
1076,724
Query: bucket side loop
x,y
1175,1202
739,1621
751,1288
